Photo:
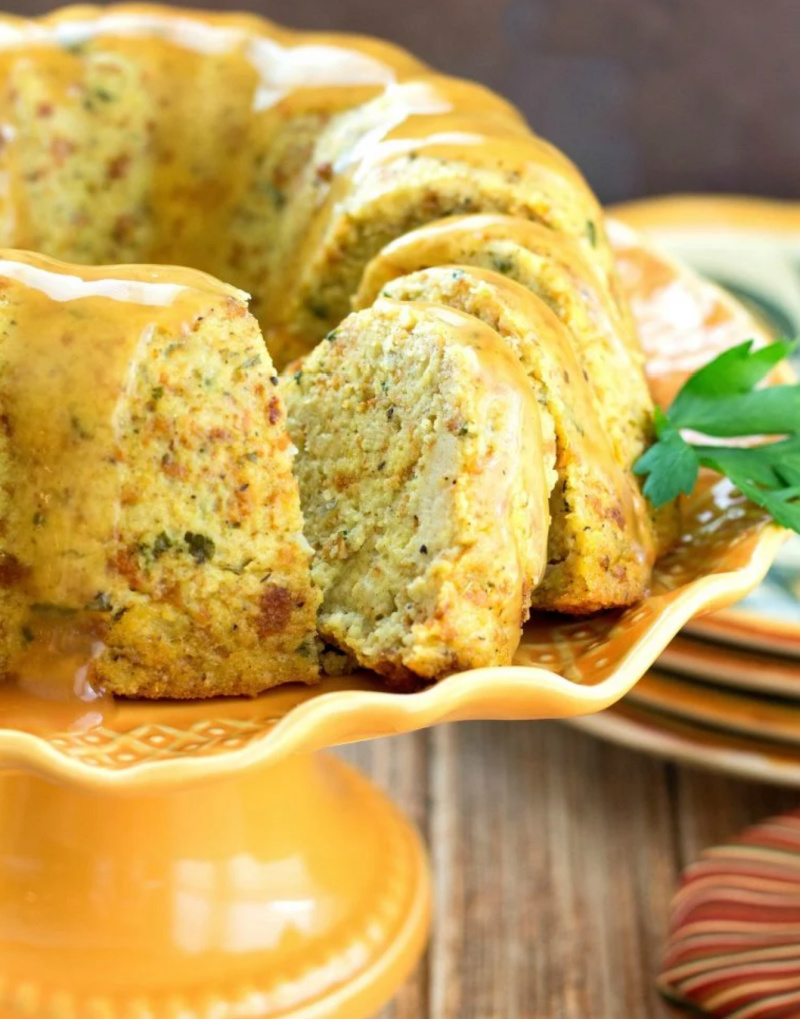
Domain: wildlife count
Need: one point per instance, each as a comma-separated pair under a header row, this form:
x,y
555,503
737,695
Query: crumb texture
x,y
424,484
150,467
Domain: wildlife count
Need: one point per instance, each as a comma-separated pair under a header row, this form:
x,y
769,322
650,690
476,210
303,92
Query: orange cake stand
x,y
204,861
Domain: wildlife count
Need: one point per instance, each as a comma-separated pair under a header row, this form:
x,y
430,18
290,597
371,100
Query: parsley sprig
x,y
722,400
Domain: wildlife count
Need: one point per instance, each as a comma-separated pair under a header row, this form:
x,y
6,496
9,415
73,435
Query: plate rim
x,y
655,217
624,732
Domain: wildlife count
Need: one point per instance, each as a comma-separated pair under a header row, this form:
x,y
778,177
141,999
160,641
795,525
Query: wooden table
x,y
555,857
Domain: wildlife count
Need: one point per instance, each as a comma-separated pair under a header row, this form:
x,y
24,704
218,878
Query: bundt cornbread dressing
x,y
312,171
600,548
149,501
425,486
592,304
289,162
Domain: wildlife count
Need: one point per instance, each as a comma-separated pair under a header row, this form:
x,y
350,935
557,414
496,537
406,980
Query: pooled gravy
x,y
47,688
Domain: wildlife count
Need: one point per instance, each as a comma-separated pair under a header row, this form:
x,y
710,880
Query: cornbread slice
x,y
558,270
425,149
601,546
79,157
154,513
424,482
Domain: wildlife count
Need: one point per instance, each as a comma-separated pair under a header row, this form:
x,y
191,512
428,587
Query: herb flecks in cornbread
x,y
424,480
152,482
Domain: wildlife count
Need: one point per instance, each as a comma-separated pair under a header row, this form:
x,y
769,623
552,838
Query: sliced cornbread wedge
x,y
422,150
154,519
602,545
559,271
425,483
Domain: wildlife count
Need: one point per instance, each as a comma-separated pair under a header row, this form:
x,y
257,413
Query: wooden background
x,y
554,858
648,96
554,855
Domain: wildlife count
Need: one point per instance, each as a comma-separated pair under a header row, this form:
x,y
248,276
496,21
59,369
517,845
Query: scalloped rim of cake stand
x,y
509,692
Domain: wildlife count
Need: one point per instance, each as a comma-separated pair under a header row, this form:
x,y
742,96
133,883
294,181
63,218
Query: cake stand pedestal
x,y
294,890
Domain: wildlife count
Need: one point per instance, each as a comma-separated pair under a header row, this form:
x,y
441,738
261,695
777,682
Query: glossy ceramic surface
x,y
650,732
755,628
752,248
565,667
737,712
725,666
299,891
732,949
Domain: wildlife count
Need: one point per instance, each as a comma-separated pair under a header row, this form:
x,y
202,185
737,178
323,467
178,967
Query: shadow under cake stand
x,y
203,861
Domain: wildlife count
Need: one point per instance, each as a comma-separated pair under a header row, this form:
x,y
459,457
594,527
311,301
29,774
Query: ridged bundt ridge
x,y
278,161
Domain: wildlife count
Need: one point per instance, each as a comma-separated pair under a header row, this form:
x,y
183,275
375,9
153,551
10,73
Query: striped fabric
x,y
734,940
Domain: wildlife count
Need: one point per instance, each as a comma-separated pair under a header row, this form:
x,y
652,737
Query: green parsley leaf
x,y
766,411
723,400
671,466
720,399
736,370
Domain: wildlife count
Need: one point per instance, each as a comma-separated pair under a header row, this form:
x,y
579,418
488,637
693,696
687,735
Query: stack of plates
x,y
726,693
